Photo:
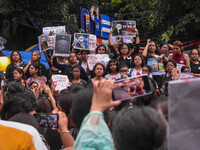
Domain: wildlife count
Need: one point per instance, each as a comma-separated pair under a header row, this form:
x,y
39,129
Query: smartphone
x,y
47,120
132,87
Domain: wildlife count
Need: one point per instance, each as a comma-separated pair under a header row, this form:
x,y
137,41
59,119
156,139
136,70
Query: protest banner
x,y
54,30
60,82
124,28
62,45
95,58
85,41
183,107
43,45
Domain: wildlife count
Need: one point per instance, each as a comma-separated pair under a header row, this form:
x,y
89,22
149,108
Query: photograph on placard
x,y
62,45
123,28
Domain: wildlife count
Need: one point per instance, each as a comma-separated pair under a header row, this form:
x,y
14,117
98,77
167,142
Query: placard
x,y
62,45
186,75
85,41
60,82
54,30
153,62
95,58
121,39
183,108
43,45
2,43
123,28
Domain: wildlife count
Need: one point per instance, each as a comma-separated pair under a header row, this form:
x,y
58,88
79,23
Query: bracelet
x,y
137,35
64,132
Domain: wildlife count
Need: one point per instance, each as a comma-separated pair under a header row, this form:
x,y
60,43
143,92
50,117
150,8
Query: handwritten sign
x,y
95,58
60,82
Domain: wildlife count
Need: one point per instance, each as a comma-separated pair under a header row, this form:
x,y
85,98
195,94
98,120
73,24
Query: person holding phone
x,y
171,74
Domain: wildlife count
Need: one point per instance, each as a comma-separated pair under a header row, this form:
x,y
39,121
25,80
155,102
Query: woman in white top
x,y
112,70
138,62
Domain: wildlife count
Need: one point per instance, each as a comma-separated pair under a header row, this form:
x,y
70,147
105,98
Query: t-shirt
x,y
195,68
134,72
109,76
19,136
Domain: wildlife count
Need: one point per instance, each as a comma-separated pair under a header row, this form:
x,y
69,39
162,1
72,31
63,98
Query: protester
x,y
178,55
16,62
18,74
98,71
35,58
151,50
78,76
35,74
194,63
112,70
138,62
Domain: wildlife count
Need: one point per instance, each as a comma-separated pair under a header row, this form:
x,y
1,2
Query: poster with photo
x,y
95,58
121,39
43,45
54,30
60,82
153,62
124,28
85,41
62,45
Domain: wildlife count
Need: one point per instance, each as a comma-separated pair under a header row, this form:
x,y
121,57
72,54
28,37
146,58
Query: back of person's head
x,y
139,128
16,100
81,104
161,106
25,118
65,102
43,105
74,88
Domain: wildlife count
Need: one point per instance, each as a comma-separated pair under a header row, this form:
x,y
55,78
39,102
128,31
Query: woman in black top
x,y
16,62
78,76
194,63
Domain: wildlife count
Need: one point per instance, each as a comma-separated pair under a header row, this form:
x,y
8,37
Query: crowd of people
x,y
88,116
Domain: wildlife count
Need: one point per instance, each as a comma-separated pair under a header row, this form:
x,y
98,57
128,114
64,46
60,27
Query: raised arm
x,y
145,51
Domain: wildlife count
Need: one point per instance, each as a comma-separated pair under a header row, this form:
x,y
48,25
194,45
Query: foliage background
x,y
161,20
